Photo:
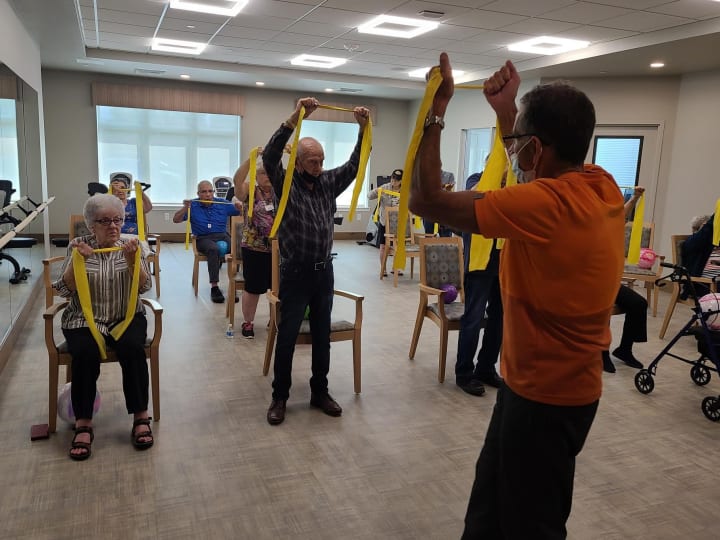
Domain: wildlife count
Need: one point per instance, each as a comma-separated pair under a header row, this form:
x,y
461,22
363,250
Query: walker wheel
x,y
711,408
644,381
700,374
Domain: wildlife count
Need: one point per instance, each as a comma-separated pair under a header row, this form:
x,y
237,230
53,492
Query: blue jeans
x,y
301,286
482,291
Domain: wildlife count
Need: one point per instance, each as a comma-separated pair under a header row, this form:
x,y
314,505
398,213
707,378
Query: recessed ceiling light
x,y
230,9
260,83
178,46
190,26
184,76
420,73
657,65
548,45
329,90
402,27
310,60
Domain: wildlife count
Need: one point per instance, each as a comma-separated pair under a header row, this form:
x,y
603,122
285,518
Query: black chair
x,y
19,273
222,184
96,187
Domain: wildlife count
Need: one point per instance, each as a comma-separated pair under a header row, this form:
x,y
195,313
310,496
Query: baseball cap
x,y
397,173
121,177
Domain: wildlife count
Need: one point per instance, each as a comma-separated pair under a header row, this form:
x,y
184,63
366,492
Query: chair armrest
x,y
350,295
52,260
272,297
49,313
157,310
154,305
155,237
49,316
430,290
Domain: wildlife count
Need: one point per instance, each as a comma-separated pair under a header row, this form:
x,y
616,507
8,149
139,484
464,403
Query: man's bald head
x,y
310,156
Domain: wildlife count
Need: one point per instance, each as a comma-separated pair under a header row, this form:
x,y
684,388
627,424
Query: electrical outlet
x,y
358,217
167,216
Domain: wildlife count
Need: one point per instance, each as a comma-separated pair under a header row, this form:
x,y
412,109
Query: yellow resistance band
x,y
365,148
140,211
716,224
636,233
253,180
432,85
83,290
187,222
376,215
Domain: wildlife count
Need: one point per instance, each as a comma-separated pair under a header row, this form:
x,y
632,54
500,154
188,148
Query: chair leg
x,y
53,395
443,353
669,311
196,268
230,303
412,267
383,264
155,376
416,331
655,291
272,332
156,271
356,361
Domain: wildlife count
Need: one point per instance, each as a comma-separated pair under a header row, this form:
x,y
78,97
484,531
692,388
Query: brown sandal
x,y
79,444
137,443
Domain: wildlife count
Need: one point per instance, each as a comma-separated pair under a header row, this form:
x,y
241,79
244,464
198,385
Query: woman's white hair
x,y
697,222
97,203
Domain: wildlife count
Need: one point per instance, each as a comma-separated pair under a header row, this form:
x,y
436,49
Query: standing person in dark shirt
x,y
306,272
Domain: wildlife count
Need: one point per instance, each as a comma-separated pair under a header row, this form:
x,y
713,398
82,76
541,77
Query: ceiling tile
x,y
338,17
317,29
133,6
643,21
413,8
539,27
596,34
244,32
241,43
585,13
635,4
305,40
275,8
696,9
370,6
258,22
182,24
532,8
489,20
122,17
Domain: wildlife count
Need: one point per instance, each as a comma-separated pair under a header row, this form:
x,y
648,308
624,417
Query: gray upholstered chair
x,y
441,263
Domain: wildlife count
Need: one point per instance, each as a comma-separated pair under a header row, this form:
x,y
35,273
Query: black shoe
x,y
490,379
472,387
247,331
276,412
216,295
325,402
608,366
627,357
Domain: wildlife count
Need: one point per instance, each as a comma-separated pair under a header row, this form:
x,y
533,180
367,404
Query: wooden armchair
x,y
340,330
58,355
441,263
236,281
676,242
633,273
412,249
198,258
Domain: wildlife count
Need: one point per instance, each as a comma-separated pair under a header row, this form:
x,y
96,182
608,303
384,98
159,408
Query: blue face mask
x,y
523,177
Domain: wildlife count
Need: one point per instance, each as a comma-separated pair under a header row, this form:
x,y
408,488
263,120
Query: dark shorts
x,y
257,270
380,234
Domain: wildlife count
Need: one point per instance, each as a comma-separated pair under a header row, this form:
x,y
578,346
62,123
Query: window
x,y
338,140
476,148
171,150
9,169
620,156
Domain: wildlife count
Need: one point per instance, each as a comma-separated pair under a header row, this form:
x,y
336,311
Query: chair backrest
x,y
77,226
676,242
237,224
391,222
275,280
96,187
222,185
441,262
646,240
6,190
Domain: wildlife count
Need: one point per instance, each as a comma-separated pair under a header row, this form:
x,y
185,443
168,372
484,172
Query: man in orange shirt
x,y
559,273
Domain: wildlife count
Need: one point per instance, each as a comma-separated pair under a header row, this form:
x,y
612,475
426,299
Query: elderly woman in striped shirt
x,y
109,277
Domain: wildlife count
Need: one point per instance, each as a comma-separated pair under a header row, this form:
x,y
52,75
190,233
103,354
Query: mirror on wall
x,y
20,163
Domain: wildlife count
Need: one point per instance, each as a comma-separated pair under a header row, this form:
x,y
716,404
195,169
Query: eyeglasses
x,y
206,191
105,222
515,136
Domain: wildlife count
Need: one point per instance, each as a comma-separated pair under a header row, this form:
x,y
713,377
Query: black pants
x,y
524,476
207,245
635,307
86,367
301,286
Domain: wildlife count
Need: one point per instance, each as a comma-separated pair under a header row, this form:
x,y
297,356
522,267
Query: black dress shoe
x,y
276,412
472,387
216,295
627,357
490,379
608,366
325,402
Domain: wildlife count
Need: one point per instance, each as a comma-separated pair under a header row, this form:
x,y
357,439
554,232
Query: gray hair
x,y
97,203
698,221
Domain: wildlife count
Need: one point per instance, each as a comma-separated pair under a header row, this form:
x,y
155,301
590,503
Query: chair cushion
x,y
410,248
335,326
21,242
452,311
635,269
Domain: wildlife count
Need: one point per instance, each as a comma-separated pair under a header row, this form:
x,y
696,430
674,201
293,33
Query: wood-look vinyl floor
x,y
398,464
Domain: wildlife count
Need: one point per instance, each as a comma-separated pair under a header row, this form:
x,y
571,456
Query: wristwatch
x,y
434,119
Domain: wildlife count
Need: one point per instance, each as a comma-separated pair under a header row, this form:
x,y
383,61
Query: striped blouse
x,y
109,278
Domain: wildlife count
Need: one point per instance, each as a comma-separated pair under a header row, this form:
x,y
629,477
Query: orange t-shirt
x,y
560,272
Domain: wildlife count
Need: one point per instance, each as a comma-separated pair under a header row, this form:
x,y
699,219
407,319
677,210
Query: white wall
x,y
72,137
17,49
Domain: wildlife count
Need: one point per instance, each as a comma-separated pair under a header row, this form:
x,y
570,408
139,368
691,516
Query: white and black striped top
x,y
109,278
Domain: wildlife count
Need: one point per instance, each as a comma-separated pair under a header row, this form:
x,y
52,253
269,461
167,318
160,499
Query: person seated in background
x,y
208,219
635,308
256,252
120,186
386,201
695,253
109,276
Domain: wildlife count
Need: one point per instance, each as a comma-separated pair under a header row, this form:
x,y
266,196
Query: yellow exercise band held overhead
x,y
253,180
365,149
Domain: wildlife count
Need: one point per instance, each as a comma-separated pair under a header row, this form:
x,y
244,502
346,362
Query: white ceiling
x,y
257,44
